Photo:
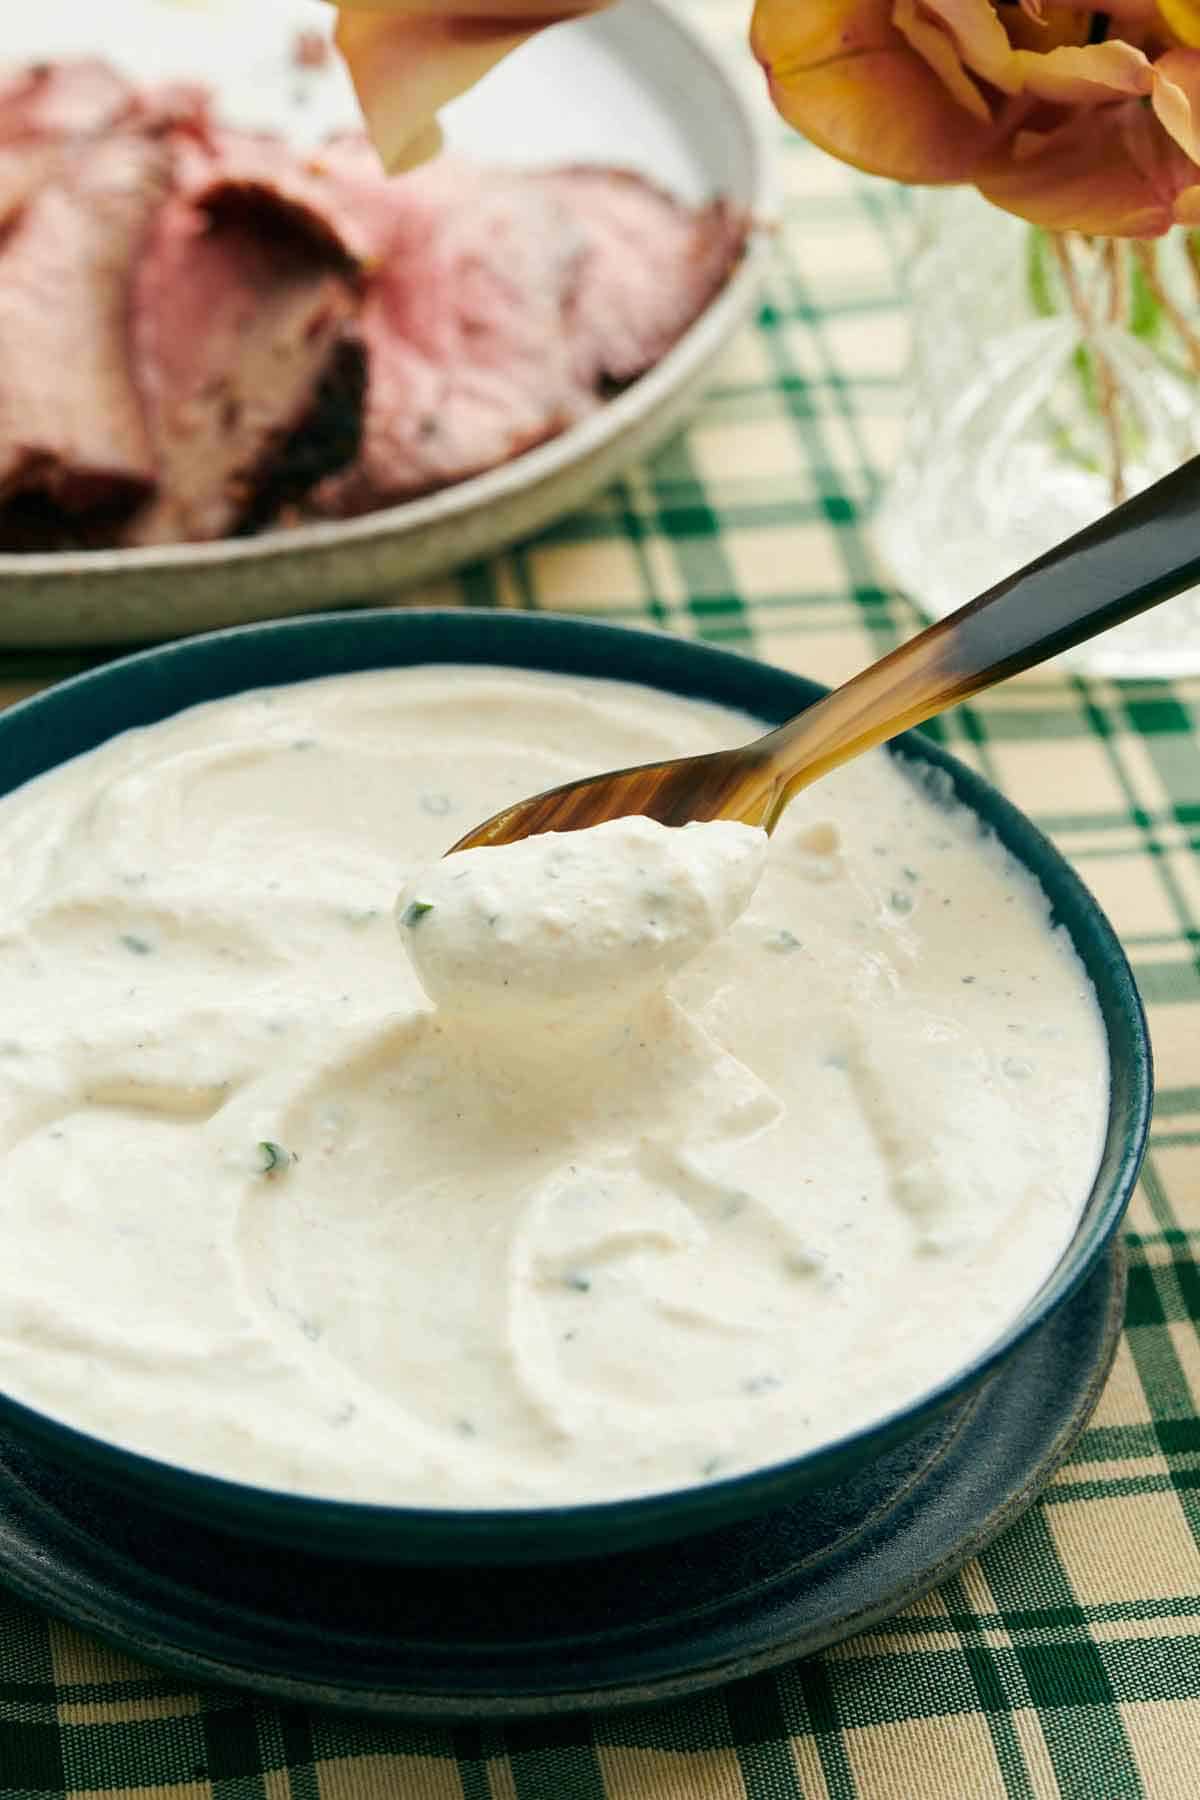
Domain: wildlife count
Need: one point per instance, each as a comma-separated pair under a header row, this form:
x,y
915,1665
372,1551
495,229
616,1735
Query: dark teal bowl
x,y
79,714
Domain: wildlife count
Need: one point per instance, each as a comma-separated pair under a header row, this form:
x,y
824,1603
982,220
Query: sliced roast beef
x,y
506,305
62,100
71,423
649,266
467,360
188,313
237,318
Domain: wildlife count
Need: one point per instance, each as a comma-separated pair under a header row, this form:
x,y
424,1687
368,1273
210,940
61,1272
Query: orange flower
x,y
407,58
1072,117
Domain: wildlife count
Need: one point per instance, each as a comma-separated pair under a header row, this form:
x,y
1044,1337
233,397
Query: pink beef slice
x,y
41,110
55,101
24,168
182,106
466,356
71,422
239,312
650,265
375,209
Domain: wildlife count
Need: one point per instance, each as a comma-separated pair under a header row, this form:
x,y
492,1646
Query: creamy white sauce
x,y
663,1157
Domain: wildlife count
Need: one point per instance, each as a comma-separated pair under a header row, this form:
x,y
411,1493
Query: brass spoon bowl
x,y
1133,558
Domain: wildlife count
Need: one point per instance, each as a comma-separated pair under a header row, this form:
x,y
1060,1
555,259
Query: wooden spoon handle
x,y
1138,554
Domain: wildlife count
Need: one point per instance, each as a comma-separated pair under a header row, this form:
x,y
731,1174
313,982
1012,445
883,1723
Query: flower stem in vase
x,y
1189,337
1051,375
1108,392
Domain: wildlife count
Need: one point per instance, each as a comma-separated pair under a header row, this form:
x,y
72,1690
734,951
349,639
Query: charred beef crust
x,y
31,524
327,440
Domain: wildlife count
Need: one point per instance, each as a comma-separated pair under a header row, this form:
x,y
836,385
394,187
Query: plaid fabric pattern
x,y
1066,1662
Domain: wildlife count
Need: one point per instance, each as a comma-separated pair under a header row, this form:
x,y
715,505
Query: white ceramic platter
x,y
635,86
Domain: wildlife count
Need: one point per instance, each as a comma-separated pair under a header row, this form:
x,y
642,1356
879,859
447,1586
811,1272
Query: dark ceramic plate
x,y
79,714
642,1626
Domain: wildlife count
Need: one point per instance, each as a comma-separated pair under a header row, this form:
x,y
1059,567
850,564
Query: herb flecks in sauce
x,y
762,1384
358,917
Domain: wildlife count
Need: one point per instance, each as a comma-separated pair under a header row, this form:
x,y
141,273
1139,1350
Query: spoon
x,y
1140,553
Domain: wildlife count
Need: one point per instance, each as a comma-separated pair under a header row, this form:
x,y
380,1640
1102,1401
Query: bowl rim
x,y
375,639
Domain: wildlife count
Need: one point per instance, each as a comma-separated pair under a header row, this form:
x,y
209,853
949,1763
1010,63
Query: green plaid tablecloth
x,y
1066,1661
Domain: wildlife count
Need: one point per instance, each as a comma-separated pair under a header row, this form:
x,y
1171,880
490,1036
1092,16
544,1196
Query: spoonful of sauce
x,y
1136,556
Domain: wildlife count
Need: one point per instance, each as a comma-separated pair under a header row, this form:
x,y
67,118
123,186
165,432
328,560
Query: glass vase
x,y
1051,377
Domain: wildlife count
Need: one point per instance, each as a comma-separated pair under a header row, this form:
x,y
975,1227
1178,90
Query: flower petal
x,y
1047,27
980,39
788,37
1183,17
937,48
1064,73
1112,171
841,73
1085,76
409,58
1177,98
